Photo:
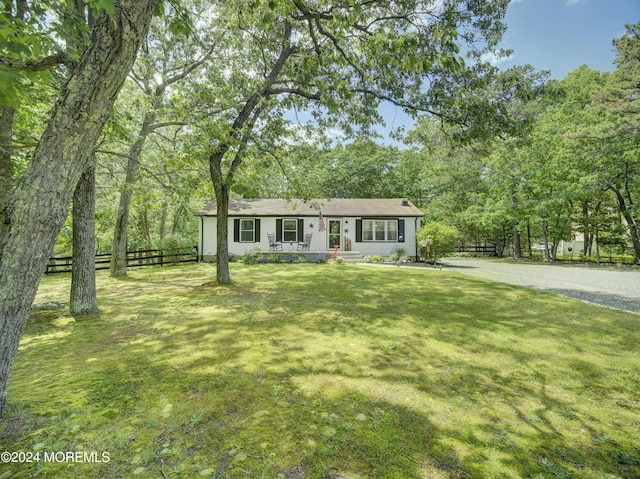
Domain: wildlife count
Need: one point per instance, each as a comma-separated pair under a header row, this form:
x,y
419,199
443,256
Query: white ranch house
x,y
360,226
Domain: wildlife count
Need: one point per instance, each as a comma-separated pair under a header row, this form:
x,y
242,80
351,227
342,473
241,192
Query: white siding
x,y
384,248
208,238
319,241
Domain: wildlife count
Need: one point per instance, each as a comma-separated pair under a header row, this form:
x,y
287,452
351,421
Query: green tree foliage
x,y
37,208
338,62
170,55
619,132
561,160
33,67
475,170
437,240
621,94
360,169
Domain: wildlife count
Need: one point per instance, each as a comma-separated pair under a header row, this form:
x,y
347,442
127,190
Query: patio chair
x,y
273,244
307,243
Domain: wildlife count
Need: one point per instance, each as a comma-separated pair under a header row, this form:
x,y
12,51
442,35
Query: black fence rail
x,y
472,248
148,257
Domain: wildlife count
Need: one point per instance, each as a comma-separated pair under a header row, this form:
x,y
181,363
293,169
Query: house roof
x,y
378,207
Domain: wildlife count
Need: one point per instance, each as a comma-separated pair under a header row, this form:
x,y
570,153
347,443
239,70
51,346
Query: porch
x,y
300,256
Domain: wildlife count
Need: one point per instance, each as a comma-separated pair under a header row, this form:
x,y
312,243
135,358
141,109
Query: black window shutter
x,y
358,231
279,230
401,231
256,238
236,230
300,230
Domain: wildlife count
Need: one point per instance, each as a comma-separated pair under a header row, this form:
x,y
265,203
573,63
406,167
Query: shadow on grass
x,y
317,371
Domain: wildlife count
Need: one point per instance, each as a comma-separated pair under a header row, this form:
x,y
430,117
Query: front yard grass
x,y
324,371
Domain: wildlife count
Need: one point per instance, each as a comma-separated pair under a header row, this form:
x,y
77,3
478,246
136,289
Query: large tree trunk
x,y
118,265
83,298
222,230
545,239
587,229
177,216
38,207
625,205
517,248
6,167
144,227
163,220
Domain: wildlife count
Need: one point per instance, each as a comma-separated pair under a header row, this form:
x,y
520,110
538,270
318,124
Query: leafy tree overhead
x,y
621,132
337,61
38,207
561,156
477,160
361,169
621,94
167,58
33,63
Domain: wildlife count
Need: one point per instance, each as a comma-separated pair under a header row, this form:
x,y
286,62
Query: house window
x,y
290,230
379,230
247,231
367,230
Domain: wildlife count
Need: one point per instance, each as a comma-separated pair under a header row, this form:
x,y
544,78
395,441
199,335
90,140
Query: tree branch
x,y
113,153
293,91
60,58
17,145
184,71
167,123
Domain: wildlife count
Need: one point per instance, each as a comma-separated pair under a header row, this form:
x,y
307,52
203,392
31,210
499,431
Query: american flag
x,y
321,225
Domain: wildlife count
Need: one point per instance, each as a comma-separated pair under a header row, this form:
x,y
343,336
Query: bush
x,y
397,255
174,245
252,256
437,240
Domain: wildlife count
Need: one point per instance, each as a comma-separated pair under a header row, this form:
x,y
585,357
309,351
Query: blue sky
x,y
554,35
561,35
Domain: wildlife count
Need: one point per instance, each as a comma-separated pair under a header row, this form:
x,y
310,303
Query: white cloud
x,y
573,2
495,57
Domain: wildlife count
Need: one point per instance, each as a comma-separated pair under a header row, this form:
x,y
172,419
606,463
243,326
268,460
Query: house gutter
x,y
201,247
415,238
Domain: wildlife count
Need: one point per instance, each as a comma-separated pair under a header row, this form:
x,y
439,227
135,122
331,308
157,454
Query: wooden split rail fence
x,y
484,249
149,257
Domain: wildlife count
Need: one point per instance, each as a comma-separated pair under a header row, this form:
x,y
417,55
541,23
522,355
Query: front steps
x,y
351,256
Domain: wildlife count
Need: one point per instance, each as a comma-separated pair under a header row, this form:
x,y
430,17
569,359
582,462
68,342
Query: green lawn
x,y
325,371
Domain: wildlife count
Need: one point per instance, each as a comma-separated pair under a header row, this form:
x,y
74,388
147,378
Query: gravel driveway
x,y
616,287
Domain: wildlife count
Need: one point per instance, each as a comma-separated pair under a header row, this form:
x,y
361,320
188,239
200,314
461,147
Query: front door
x,y
335,234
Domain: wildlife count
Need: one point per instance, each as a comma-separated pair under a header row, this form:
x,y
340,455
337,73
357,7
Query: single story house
x,y
366,226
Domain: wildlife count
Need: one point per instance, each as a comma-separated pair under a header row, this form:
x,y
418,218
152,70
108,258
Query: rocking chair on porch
x,y
307,243
273,244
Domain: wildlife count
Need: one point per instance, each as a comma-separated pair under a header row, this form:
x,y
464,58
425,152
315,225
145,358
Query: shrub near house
x,y
437,240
